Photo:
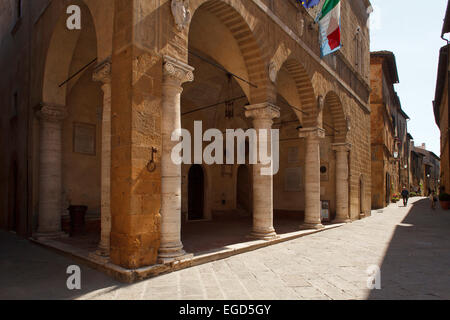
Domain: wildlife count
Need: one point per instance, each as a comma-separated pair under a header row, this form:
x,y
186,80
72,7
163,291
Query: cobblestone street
x,y
411,246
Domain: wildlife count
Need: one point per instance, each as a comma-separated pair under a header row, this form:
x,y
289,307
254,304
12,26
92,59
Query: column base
x,y
169,255
102,252
49,235
180,257
99,258
309,226
263,235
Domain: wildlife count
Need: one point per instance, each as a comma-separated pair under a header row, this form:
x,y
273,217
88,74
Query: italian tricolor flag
x,y
330,27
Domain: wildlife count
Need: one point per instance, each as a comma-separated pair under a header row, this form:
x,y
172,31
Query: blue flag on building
x,y
309,3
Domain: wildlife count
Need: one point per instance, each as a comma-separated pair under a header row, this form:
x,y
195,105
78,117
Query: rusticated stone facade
x,y
132,75
389,135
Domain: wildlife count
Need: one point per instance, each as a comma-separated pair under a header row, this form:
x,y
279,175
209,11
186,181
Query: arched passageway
x,y
335,155
294,191
75,133
229,75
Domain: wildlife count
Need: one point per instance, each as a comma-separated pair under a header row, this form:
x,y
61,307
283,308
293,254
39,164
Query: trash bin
x,y
77,220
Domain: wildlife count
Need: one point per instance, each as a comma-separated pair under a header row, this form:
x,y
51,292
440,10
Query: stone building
x,y
441,105
403,146
389,134
432,172
417,171
90,114
408,148
425,170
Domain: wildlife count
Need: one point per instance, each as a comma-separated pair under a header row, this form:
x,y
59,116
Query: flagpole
x,y
320,13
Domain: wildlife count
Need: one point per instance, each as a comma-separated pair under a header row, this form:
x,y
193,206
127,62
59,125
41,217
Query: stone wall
x,y
385,108
258,37
445,156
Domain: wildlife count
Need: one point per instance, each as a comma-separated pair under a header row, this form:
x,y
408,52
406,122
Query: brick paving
x,y
411,246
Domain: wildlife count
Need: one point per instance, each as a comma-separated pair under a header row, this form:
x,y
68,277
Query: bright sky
x,y
412,30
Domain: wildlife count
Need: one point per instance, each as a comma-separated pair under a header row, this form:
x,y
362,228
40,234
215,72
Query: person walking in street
x,y
405,196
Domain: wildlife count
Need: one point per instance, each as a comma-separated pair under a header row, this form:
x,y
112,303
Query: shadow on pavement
x,y
417,262
221,232
28,271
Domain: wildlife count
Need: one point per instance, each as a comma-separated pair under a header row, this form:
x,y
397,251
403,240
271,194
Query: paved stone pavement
x,y
411,246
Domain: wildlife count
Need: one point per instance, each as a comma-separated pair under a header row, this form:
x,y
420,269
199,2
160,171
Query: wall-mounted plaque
x,y
84,138
292,179
325,211
293,156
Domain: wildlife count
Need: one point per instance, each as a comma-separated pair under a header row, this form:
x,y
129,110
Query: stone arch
x,y
68,108
340,128
232,14
102,14
59,56
207,197
305,91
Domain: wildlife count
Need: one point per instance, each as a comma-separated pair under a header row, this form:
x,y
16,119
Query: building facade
x,y
425,170
389,134
417,171
92,111
441,107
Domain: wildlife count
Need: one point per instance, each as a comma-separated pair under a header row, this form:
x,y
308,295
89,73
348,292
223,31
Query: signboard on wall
x,y
293,179
325,211
84,138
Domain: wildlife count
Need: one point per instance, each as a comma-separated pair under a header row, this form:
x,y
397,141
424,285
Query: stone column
x,y
102,73
175,73
50,171
312,177
342,152
262,115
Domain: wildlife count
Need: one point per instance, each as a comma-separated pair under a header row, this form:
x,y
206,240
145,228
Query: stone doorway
x,y
243,190
361,197
388,189
196,193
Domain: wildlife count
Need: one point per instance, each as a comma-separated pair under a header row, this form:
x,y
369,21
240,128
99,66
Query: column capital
x,y
177,70
341,147
313,132
102,72
52,112
262,111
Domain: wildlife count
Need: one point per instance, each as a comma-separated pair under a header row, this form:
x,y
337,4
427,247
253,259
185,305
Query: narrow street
x,y
411,245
